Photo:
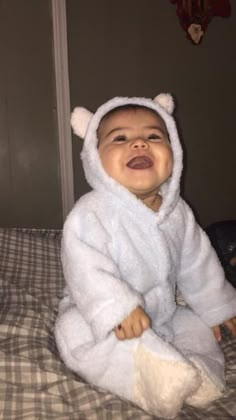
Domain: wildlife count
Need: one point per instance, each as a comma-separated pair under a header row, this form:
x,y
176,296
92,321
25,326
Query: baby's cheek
x,y
170,161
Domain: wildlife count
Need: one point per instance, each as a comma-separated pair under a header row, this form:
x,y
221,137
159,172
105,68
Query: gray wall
x,y
139,48
29,158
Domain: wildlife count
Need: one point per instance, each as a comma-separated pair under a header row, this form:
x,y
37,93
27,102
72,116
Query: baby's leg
x,y
146,370
78,347
197,342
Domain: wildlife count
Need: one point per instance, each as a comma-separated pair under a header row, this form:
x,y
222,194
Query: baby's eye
x,y
154,136
119,139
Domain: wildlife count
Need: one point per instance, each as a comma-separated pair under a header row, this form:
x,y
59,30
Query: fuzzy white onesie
x,y
118,254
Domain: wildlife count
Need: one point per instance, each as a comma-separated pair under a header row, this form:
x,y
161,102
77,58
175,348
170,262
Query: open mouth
x,y
140,162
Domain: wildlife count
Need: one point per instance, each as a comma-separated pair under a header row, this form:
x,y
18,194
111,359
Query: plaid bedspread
x,y
34,382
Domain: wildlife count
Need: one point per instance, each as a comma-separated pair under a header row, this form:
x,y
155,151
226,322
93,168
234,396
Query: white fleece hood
x,y
85,125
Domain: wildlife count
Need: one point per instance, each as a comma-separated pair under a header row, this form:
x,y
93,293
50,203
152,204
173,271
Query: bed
x,y
34,382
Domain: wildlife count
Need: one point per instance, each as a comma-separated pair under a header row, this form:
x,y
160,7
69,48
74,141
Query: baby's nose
x,y
139,143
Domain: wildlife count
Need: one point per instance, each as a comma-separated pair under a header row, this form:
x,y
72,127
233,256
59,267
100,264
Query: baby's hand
x,y
230,324
134,325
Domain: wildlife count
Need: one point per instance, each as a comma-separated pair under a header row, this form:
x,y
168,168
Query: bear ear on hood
x,y
166,101
80,119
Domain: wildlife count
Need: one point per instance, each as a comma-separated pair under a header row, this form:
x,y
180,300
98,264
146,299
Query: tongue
x,y
140,162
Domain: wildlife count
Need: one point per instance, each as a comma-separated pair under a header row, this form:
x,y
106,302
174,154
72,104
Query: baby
x,y
127,245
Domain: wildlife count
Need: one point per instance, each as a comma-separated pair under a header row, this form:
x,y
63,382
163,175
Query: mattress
x,y
34,382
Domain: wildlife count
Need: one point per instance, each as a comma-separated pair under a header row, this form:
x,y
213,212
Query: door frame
x,y
63,103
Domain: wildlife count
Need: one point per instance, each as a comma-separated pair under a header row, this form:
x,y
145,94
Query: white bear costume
x,y
118,254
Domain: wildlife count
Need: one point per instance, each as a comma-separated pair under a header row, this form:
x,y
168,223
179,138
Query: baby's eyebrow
x,y
149,127
116,129
155,127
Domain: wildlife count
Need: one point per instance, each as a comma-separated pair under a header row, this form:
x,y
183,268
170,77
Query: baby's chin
x,y
151,199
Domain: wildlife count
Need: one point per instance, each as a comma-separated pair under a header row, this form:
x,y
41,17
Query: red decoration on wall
x,y
195,15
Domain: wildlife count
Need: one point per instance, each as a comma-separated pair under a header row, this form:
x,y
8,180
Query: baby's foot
x,y
161,386
206,393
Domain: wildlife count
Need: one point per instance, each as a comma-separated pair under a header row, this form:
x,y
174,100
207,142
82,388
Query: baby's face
x,y
135,151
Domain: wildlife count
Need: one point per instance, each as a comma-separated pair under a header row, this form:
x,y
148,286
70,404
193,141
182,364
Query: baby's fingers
x,y
145,322
231,325
217,332
138,329
119,332
124,331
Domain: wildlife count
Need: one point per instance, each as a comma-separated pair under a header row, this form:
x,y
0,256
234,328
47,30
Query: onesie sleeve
x,y
93,280
201,278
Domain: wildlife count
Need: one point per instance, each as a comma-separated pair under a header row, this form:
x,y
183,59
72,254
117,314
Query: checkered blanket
x,y
34,382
